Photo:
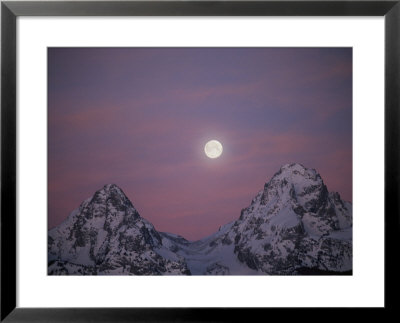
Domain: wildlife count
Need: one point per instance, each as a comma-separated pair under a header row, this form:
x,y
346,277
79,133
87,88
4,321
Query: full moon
x,y
213,149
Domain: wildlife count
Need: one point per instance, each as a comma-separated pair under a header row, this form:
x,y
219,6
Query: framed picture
x,y
230,125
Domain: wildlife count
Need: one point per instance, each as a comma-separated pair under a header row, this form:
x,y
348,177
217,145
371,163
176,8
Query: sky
x,y
140,117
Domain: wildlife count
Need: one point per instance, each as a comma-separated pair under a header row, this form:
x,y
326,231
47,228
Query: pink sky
x,y
139,118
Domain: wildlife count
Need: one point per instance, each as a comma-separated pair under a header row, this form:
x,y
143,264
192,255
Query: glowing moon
x,y
213,149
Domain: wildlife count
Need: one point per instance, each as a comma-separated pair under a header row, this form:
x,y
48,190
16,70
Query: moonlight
x,y
213,149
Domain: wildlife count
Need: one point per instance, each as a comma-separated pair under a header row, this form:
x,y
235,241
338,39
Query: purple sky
x,y
140,117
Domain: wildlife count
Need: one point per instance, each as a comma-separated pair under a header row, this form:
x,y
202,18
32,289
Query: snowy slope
x,y
206,257
106,235
292,223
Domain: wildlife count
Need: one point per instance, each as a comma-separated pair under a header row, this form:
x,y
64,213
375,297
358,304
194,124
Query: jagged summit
x,y
294,167
298,175
109,202
294,222
110,192
296,184
109,188
106,235
112,189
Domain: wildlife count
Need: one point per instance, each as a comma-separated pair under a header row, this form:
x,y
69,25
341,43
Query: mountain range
x,y
293,226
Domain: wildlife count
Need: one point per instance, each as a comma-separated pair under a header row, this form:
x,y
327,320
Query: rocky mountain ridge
x,y
292,226
106,235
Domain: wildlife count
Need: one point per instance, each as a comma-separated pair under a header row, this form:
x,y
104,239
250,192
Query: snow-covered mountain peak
x,y
112,193
297,172
294,222
109,202
106,235
109,188
295,184
296,175
293,167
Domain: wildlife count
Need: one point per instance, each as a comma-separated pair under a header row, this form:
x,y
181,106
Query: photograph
x,y
166,161
199,160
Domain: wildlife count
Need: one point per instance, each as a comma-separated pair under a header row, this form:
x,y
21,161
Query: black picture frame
x,y
10,10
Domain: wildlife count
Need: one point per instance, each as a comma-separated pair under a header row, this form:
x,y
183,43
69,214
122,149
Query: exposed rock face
x,y
292,226
106,235
293,223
